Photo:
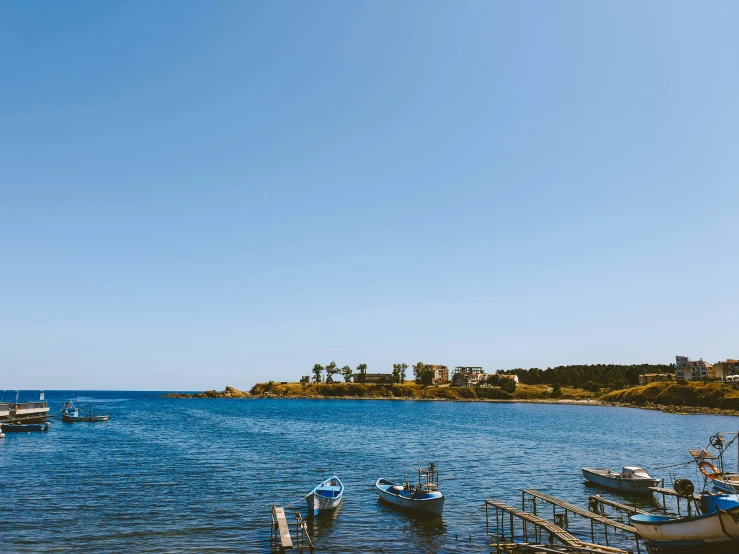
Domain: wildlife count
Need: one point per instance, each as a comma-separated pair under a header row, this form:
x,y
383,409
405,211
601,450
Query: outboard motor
x,y
684,487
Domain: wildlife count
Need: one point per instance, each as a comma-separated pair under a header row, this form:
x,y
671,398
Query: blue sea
x,y
181,475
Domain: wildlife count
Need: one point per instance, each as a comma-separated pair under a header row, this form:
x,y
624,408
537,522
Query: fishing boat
x,y
326,496
631,479
713,526
24,427
424,497
72,414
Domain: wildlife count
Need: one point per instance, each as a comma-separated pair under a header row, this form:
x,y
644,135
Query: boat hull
x,y
629,486
709,531
24,427
431,505
325,497
84,419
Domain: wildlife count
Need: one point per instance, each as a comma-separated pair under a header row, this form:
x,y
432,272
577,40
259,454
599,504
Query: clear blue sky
x,y
196,194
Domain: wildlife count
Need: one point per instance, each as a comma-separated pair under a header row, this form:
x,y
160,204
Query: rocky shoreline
x,y
228,392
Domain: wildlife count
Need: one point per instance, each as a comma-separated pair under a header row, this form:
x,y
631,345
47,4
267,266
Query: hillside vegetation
x,y
693,394
360,390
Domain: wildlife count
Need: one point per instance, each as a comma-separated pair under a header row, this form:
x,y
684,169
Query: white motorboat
x,y
632,479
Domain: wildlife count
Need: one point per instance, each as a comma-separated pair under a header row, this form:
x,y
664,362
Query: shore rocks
x,y
228,392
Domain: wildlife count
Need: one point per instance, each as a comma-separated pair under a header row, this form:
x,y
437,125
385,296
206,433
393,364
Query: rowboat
x,y
421,498
632,479
24,427
326,496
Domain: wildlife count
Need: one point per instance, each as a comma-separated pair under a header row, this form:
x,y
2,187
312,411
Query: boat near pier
x,y
424,497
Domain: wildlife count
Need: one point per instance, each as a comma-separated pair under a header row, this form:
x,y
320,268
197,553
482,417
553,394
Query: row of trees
x,y
423,373
590,377
333,369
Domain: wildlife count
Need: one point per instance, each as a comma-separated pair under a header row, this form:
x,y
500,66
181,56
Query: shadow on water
x,y
427,532
320,525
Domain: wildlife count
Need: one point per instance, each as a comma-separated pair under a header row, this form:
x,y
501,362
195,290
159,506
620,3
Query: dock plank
x,y
286,540
618,506
580,511
563,536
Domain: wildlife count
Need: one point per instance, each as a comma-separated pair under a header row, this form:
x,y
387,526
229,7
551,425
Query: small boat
x,y
326,496
422,498
25,427
72,414
716,526
632,479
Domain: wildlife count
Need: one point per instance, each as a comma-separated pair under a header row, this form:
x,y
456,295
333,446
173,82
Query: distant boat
x,y
24,427
422,498
72,414
632,479
326,496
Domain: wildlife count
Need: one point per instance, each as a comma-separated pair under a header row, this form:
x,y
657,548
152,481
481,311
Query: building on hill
x,y
305,379
441,373
655,378
726,368
697,370
470,375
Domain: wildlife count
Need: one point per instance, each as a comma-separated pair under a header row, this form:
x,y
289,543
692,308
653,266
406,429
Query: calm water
x,y
200,475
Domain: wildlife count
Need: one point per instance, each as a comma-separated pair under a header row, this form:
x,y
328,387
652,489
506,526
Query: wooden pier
x,y
694,498
563,518
597,502
282,539
541,527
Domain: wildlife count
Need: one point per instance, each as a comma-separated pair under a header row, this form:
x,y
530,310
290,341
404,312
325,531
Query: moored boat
x,y
24,427
72,414
632,479
326,496
717,526
424,497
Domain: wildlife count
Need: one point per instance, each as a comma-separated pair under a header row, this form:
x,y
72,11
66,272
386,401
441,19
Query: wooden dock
x,y
553,533
281,538
597,502
567,507
694,498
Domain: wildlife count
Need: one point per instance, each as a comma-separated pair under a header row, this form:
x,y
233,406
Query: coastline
x,y
232,393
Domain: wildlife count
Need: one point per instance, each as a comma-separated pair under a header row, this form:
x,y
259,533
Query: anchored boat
x,y
632,479
326,496
424,497
24,427
72,414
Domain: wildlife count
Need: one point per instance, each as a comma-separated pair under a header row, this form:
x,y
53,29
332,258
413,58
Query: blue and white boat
x,y
326,496
424,497
714,529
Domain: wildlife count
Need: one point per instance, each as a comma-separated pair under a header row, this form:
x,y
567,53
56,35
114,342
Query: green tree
x,y
556,390
362,372
423,374
331,370
459,380
317,369
396,374
403,367
346,371
508,385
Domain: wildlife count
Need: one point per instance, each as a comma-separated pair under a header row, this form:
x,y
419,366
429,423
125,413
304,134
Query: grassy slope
x,y
359,390
704,395
411,390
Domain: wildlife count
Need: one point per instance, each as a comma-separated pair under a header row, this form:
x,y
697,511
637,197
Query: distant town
x,y
581,376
